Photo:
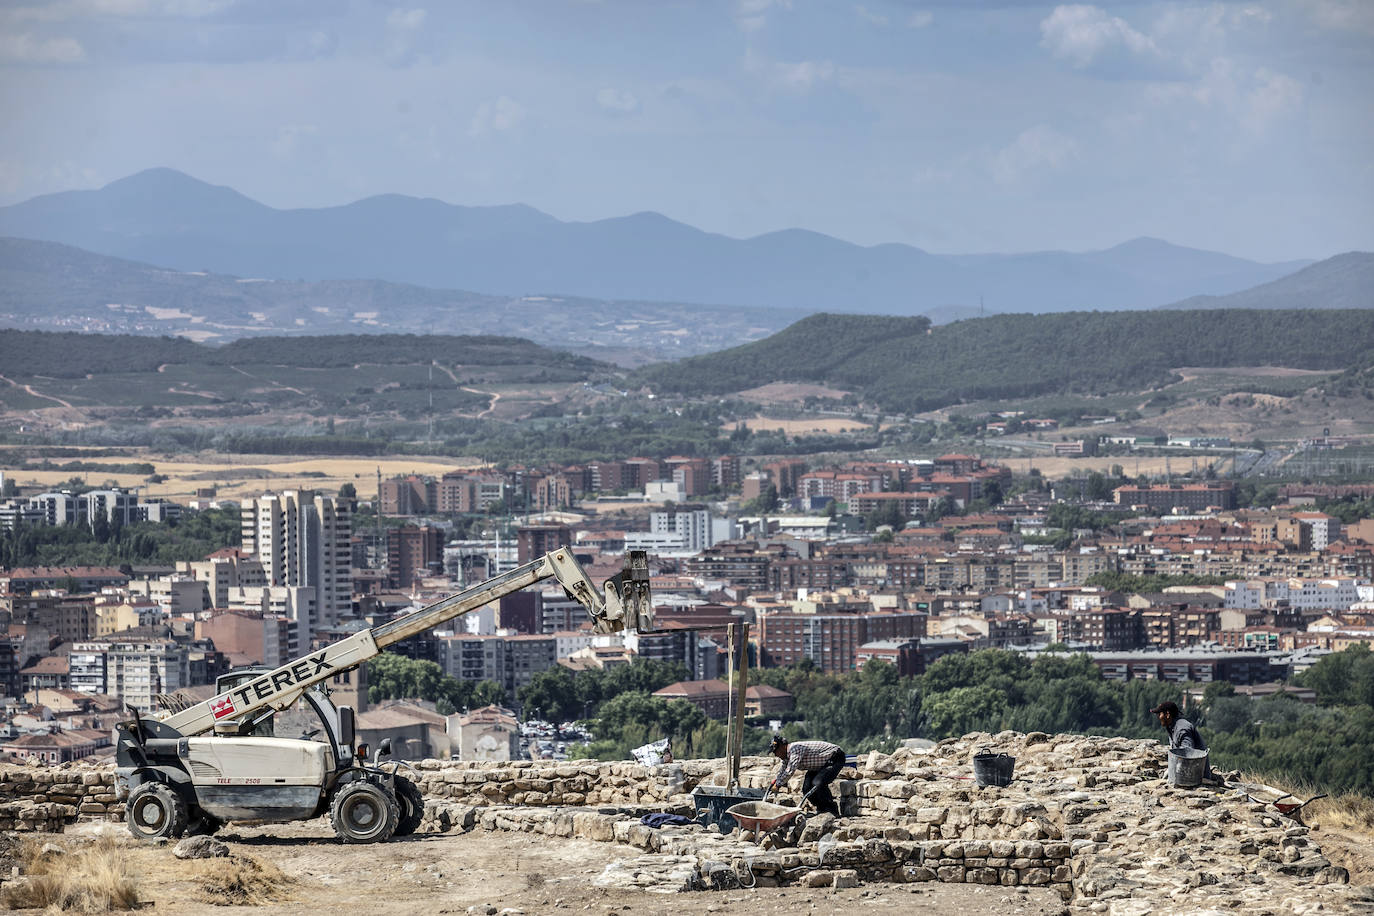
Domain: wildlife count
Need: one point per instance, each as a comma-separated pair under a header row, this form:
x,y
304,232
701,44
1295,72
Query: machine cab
x,y
313,717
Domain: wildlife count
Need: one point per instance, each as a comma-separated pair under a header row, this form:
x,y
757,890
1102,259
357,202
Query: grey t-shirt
x,y
1185,735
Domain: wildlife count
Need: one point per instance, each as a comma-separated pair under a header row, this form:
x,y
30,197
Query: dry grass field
x,y
239,476
790,393
802,426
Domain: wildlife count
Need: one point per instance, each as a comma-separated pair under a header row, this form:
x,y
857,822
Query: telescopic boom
x,y
622,601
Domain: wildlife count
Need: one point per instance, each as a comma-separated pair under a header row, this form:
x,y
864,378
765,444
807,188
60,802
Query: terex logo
x,y
307,669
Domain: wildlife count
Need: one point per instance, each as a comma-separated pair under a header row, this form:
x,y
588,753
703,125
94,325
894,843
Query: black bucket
x,y
712,801
991,769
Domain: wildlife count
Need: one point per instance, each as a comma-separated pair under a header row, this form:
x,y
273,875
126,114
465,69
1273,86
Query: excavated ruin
x,y
1089,817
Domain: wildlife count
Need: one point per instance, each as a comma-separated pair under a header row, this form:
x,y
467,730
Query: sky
x,y
953,125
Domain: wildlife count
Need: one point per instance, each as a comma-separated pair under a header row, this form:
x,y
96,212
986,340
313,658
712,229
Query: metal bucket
x,y
991,769
1186,766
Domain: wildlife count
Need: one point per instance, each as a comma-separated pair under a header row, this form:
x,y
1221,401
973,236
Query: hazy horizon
x,y
957,128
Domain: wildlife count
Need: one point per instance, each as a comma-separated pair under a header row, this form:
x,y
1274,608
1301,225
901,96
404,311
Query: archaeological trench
x,y
1088,817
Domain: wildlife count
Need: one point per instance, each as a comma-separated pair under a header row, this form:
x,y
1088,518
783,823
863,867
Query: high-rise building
x,y
302,539
413,550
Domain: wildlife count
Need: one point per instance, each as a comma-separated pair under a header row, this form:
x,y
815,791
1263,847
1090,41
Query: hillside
x,y
1343,282
376,378
164,217
51,286
905,364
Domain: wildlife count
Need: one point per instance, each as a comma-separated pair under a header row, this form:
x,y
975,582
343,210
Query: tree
x,y
964,709
1343,678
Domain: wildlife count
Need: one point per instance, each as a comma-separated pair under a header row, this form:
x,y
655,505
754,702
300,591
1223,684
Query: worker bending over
x,y
822,762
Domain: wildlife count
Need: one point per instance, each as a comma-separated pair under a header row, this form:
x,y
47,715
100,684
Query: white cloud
x,y
798,76
1255,99
1036,149
617,100
25,48
1081,33
803,75
1342,15
1273,96
752,15
871,17
920,19
289,139
62,10
493,117
402,26
405,20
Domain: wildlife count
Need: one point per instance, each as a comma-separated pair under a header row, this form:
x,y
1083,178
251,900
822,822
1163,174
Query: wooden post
x,y
739,669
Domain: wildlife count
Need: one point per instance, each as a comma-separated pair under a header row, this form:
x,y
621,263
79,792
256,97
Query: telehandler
x,y
192,770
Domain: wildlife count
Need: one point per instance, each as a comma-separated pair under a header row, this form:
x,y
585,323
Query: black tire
x,y
155,812
198,823
412,802
364,812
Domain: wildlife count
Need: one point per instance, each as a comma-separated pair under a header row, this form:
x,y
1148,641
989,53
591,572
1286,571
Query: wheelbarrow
x,y
1286,803
1289,806
764,817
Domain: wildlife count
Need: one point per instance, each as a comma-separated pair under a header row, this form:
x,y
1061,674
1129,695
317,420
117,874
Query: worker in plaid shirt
x,y
822,762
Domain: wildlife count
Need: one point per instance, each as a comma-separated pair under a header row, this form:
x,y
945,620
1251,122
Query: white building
x,y
1336,594
302,539
1324,528
684,529
135,670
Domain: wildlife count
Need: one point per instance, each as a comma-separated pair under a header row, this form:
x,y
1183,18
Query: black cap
x,y
777,742
1169,707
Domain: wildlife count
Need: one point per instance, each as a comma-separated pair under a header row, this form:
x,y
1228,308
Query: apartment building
x,y
1168,497
137,670
413,552
302,538
831,641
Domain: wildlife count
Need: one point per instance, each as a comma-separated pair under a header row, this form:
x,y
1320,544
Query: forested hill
x,y
905,364
73,355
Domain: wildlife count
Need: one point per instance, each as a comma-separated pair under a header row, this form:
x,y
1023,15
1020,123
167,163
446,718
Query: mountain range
x,y
54,287
170,219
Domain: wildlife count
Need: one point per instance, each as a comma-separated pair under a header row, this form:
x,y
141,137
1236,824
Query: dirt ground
x,y
448,873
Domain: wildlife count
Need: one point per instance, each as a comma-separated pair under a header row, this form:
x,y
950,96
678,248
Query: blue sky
x,y
955,126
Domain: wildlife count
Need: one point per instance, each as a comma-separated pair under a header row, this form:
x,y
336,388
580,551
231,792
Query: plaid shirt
x,y
806,755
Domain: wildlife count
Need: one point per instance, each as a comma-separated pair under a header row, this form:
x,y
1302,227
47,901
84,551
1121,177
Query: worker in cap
x,y
820,760
1183,734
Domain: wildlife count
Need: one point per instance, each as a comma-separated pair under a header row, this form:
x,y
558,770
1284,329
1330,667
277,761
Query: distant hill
x,y
165,217
378,379
77,355
1343,282
50,286
905,364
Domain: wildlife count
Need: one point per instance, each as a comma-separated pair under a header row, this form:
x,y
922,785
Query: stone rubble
x,y
1089,817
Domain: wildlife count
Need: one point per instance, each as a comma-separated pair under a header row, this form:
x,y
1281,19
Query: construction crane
x,y
220,760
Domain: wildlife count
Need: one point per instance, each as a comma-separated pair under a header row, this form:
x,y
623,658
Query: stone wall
x,y
46,798
692,857
547,783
